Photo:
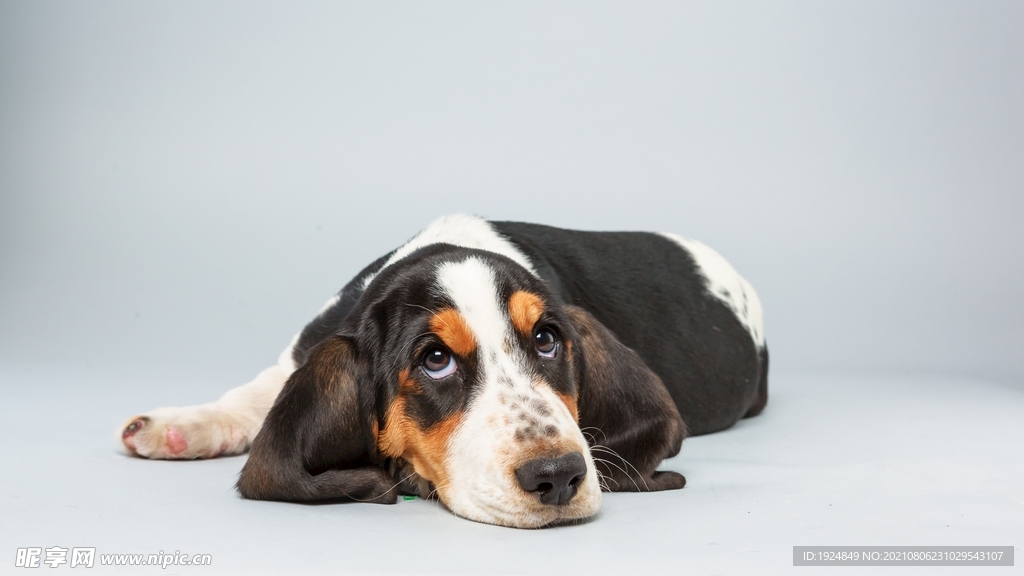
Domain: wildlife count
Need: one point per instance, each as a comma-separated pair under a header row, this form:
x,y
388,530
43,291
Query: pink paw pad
x,y
176,443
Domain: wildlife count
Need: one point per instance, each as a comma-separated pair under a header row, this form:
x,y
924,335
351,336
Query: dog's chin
x,y
523,511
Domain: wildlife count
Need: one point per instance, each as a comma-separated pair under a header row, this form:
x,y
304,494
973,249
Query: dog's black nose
x,y
554,479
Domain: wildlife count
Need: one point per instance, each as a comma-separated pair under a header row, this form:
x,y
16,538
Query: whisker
x,y
624,473
602,448
595,428
437,501
396,485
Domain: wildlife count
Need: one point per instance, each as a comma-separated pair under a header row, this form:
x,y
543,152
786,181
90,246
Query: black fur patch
x,y
643,348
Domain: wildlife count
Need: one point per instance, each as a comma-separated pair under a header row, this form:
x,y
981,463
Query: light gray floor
x,y
834,460
183,184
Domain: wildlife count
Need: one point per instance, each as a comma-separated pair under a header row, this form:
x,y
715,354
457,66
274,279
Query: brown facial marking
x,y
406,383
391,440
525,308
426,450
452,329
570,403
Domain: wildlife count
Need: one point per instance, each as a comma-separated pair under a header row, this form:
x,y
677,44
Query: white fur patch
x,y
459,230
287,360
471,286
331,302
493,438
724,283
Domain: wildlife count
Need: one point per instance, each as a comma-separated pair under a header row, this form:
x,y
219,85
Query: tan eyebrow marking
x,y
453,330
525,308
406,383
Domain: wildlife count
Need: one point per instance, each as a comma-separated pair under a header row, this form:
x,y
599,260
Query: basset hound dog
x,y
513,371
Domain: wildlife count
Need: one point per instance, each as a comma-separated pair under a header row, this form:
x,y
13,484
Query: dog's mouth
x,y
551,492
521,509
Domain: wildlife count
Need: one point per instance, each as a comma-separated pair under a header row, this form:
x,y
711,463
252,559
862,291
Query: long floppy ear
x,y
319,440
625,411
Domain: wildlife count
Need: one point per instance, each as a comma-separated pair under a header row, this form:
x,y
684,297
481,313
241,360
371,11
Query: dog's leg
x,y
219,428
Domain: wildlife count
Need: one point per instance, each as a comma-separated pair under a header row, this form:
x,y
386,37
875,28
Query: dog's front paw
x,y
144,439
184,433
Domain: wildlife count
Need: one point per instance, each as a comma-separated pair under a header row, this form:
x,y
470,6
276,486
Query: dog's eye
x,y
546,343
438,363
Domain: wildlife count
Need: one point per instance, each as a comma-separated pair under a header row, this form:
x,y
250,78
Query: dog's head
x,y
457,372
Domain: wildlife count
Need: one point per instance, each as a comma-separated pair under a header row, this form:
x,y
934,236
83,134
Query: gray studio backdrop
x,y
183,184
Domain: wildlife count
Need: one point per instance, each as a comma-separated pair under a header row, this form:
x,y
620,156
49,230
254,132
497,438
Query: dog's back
x,y
679,304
